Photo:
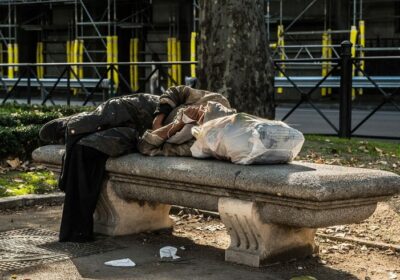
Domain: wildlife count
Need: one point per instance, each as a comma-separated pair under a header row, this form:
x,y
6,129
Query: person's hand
x,y
158,121
196,113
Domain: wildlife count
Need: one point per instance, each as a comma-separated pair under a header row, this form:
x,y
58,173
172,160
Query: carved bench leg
x,y
254,242
116,216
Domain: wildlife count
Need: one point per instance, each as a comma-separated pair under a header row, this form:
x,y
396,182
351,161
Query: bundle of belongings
x,y
222,133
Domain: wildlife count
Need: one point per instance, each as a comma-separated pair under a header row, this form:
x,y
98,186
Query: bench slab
x,y
271,211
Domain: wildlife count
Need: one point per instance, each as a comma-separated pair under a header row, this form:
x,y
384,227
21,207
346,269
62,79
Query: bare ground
x,y
205,237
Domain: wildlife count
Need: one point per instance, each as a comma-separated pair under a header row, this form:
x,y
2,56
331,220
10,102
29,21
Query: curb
x,y
30,200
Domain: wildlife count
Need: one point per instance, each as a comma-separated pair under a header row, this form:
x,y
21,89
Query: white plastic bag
x,y
246,139
169,252
121,263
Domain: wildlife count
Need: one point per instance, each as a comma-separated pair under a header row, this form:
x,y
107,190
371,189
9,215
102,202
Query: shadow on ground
x,y
197,262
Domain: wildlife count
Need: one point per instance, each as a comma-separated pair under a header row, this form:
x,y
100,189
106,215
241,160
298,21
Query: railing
x,y
339,76
107,83
345,66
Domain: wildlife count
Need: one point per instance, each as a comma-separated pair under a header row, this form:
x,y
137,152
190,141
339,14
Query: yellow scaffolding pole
x,y
174,66
281,45
329,55
115,60
16,57
10,56
353,41
361,27
134,69
193,53
75,58
179,58
109,55
1,58
39,59
80,58
70,49
324,71
169,57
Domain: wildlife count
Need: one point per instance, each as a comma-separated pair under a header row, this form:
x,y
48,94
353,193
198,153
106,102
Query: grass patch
x,y
354,152
31,182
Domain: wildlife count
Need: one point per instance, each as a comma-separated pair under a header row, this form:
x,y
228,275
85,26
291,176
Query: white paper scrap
x,y
121,263
169,252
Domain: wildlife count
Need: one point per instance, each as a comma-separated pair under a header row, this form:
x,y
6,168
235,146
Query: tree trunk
x,y
233,54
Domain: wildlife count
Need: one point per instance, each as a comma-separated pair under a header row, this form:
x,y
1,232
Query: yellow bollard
x,y
353,41
10,60
361,26
324,69
281,45
193,53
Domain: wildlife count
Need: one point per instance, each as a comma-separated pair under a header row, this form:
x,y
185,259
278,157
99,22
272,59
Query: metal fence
x,y
110,81
340,76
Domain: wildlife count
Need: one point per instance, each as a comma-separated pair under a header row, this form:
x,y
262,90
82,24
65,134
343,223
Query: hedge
x,y
19,141
20,125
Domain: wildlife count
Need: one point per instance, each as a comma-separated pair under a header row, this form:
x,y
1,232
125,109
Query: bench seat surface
x,y
298,180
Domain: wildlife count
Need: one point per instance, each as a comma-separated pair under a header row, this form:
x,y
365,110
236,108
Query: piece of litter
x,y
182,248
121,263
169,252
392,275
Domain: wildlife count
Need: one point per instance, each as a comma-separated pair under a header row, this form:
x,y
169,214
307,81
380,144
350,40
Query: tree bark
x,y
234,55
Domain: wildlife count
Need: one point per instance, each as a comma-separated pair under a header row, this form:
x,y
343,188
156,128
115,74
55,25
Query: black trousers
x,y
84,169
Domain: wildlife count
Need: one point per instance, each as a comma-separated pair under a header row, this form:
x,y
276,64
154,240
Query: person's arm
x,y
176,96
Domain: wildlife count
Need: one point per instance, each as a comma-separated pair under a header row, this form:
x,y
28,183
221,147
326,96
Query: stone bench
x,y
271,212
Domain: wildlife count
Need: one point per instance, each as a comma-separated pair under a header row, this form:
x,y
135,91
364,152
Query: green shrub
x,y
20,125
19,141
27,118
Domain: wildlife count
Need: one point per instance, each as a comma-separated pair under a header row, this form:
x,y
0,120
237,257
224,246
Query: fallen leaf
x,y
364,248
14,163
